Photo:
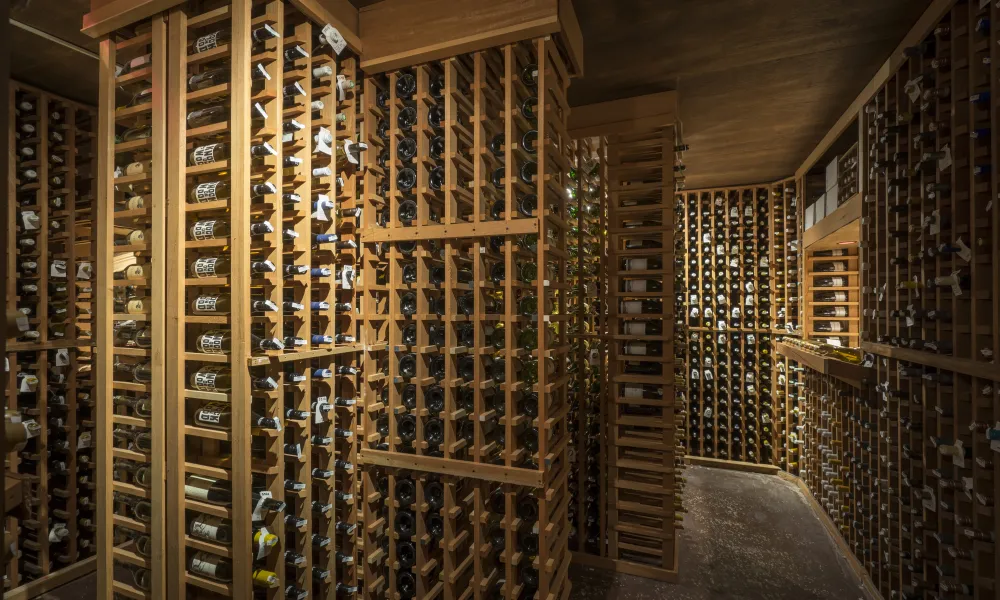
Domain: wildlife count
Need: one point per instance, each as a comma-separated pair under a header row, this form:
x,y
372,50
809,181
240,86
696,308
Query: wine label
x,y
200,566
206,527
206,303
632,391
632,307
635,285
206,42
636,348
204,230
204,155
210,342
839,311
207,192
635,328
636,264
197,487
205,267
204,380
838,282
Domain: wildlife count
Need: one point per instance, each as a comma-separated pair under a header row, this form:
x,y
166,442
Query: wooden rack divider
x,y
643,453
730,415
588,483
269,319
466,319
50,263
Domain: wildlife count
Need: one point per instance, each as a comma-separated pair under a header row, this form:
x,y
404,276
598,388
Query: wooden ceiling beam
x,y
400,33
628,115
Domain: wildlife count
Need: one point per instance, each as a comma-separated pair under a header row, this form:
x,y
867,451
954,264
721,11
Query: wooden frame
x,y
50,224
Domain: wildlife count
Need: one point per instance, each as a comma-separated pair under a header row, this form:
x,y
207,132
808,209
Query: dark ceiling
x,y
760,81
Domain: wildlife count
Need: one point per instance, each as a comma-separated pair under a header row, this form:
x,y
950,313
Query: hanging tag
x,y
30,220
934,223
84,270
964,252
263,549
959,458
749,301
945,162
333,37
695,374
720,250
694,311
83,441
734,262
749,287
31,428
323,204
721,299
709,376
318,415
718,201
751,339
909,319
58,269
347,277
323,140
706,238
28,383
734,213
62,357
257,510
721,325
869,361
955,288
748,211
764,262
693,299
912,88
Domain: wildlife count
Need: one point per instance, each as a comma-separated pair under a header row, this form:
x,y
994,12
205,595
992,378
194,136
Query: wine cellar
x,y
385,300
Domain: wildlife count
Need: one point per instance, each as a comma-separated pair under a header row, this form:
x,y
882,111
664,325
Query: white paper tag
x,y
964,252
347,277
57,268
28,383
257,510
83,441
734,213
333,37
318,415
30,220
912,88
62,357
263,549
945,162
84,271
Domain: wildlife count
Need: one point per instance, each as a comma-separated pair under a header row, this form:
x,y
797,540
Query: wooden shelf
x,y
61,356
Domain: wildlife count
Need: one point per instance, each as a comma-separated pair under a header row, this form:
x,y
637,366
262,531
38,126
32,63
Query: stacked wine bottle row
x,y
832,294
785,257
465,300
727,303
49,386
904,467
787,392
643,453
236,173
588,412
929,222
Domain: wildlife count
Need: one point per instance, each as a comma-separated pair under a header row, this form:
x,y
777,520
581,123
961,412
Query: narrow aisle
x,y
746,536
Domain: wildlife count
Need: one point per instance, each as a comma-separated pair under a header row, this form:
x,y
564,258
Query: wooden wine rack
x,y
588,411
736,425
846,296
930,192
785,267
467,315
308,385
642,439
49,367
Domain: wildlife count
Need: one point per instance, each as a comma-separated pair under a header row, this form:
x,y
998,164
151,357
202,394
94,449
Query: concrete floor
x,y
746,537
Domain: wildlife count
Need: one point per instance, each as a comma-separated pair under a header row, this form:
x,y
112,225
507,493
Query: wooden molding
x,y
36,588
106,16
842,225
630,568
731,465
395,32
844,371
628,115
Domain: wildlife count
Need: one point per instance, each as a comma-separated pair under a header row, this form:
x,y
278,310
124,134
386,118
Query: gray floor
x,y
746,537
